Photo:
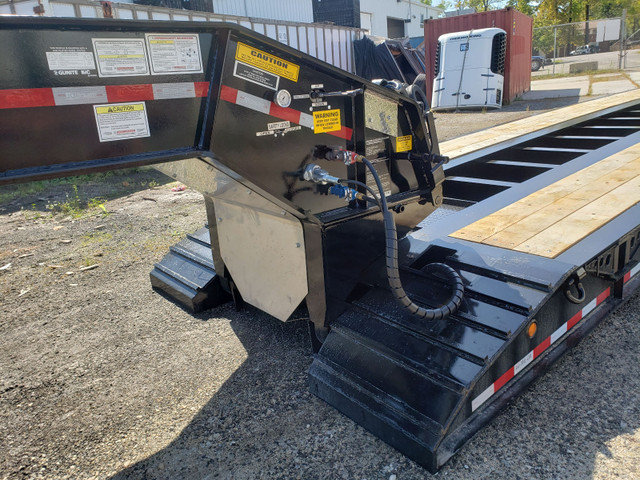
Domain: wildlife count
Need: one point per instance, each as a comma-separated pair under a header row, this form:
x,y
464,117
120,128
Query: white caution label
x,y
171,54
120,57
121,121
69,58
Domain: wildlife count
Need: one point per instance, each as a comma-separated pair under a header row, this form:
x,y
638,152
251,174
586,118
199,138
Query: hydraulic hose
x,y
393,273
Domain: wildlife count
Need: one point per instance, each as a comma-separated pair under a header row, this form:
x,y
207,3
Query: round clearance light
x,y
533,328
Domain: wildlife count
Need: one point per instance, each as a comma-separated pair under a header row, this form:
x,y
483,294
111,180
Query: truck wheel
x,y
535,65
417,91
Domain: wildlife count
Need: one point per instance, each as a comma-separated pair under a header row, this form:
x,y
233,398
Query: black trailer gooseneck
x,y
257,128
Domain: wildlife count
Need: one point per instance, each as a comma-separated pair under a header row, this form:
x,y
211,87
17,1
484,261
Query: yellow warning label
x,y
404,144
265,61
326,121
136,107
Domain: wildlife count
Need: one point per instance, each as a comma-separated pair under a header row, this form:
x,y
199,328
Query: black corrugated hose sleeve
x,y
393,274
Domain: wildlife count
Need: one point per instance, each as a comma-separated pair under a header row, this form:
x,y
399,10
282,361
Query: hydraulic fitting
x,y
313,173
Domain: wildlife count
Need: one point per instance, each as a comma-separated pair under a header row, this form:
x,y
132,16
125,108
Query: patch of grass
x,y
32,213
23,190
93,238
76,207
129,179
98,203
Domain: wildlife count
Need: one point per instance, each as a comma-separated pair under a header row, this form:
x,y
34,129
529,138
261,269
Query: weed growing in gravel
x,y
96,238
75,207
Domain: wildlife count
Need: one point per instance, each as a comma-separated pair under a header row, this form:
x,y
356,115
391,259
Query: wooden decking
x,y
553,219
460,146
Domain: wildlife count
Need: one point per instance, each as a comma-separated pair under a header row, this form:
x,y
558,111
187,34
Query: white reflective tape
x,y
79,95
254,103
483,397
635,270
164,91
517,368
558,333
306,120
589,307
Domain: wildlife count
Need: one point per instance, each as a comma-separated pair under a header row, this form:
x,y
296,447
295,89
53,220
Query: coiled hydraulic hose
x,y
393,274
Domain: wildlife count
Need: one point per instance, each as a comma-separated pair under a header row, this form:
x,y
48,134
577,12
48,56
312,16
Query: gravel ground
x,y
100,377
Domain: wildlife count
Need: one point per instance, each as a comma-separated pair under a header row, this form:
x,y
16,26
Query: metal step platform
x,y
187,275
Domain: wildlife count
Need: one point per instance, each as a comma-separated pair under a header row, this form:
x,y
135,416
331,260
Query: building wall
x,y
374,14
286,10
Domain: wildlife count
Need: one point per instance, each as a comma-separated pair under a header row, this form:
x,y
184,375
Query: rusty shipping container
x,y
519,28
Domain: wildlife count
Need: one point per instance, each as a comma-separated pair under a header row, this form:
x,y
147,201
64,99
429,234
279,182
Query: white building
x,y
395,18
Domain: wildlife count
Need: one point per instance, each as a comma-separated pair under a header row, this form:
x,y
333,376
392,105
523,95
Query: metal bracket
x,y
612,261
576,279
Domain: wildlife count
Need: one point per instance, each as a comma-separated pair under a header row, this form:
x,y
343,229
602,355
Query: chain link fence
x,y
606,44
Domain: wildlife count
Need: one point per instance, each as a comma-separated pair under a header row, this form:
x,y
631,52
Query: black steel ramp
x,y
424,387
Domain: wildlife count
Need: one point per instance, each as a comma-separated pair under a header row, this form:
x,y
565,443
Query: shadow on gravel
x,y
263,422
75,194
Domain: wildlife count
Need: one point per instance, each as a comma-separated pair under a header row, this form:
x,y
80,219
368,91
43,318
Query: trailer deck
x,y
553,219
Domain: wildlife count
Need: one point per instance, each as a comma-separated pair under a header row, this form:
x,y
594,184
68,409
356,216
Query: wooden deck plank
x,y
502,133
512,214
551,220
563,235
524,229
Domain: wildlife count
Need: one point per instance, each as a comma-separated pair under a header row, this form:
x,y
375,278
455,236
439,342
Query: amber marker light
x,y
533,328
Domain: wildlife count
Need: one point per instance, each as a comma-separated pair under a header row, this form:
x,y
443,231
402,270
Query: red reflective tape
x,y
498,384
573,320
603,296
627,277
228,94
27,98
344,132
129,93
202,88
284,113
542,347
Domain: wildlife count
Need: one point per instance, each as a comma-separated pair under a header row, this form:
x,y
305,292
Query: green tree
x,y
523,6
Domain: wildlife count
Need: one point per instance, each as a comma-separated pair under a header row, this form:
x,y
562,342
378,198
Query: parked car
x,y
581,50
537,62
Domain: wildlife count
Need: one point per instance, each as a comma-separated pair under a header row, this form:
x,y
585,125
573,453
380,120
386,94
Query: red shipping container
x,y
519,28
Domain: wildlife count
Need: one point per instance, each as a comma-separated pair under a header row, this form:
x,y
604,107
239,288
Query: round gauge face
x,y
283,98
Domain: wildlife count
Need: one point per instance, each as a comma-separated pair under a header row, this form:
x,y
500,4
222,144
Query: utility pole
x,y
623,24
586,25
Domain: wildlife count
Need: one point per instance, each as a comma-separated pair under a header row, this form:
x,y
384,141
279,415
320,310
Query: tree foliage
x,y
549,12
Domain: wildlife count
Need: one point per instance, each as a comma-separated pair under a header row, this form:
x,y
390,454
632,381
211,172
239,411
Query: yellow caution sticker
x,y
404,144
266,61
121,121
133,107
326,121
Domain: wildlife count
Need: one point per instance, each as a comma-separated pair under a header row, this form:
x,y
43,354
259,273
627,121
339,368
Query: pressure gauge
x,y
283,98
